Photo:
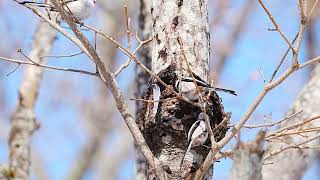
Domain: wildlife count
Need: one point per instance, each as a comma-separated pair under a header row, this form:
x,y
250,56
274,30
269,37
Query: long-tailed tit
x,y
186,86
197,134
81,9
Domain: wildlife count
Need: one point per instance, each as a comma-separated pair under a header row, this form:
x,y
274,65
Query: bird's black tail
x,y
227,91
223,90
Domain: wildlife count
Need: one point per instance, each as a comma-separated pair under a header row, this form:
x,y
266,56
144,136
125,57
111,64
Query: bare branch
x,y
110,81
277,26
62,56
126,64
267,88
33,63
282,59
282,149
271,124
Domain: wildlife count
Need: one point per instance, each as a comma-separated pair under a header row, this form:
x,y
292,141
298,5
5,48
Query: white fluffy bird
x,y
197,134
81,9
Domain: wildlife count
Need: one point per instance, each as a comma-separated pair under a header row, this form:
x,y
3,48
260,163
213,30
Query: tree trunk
x,y
142,78
23,120
247,159
180,36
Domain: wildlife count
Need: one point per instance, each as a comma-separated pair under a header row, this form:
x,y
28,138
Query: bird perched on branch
x,y
81,9
187,87
197,134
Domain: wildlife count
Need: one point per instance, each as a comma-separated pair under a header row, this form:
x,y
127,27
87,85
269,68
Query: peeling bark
x,y
293,163
23,120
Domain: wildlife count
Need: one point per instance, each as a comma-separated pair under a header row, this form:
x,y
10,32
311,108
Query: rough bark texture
x,y
292,163
23,120
181,34
247,160
187,20
142,78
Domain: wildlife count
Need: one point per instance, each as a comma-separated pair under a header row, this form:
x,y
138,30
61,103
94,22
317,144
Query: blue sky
x,y
62,133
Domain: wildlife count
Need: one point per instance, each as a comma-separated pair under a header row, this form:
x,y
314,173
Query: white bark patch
x,y
188,22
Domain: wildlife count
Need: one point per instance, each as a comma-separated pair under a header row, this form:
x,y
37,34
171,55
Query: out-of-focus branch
x,y
38,168
109,164
311,45
220,11
23,120
247,158
234,36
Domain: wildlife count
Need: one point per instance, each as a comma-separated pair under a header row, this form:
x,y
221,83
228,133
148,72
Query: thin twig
x,y
272,124
274,153
56,26
283,130
127,19
139,63
262,75
108,78
311,61
126,64
62,56
299,132
150,101
14,69
49,67
282,59
277,26
267,88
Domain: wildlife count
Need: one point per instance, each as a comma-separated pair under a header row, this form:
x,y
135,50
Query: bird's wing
x,y
192,129
198,78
